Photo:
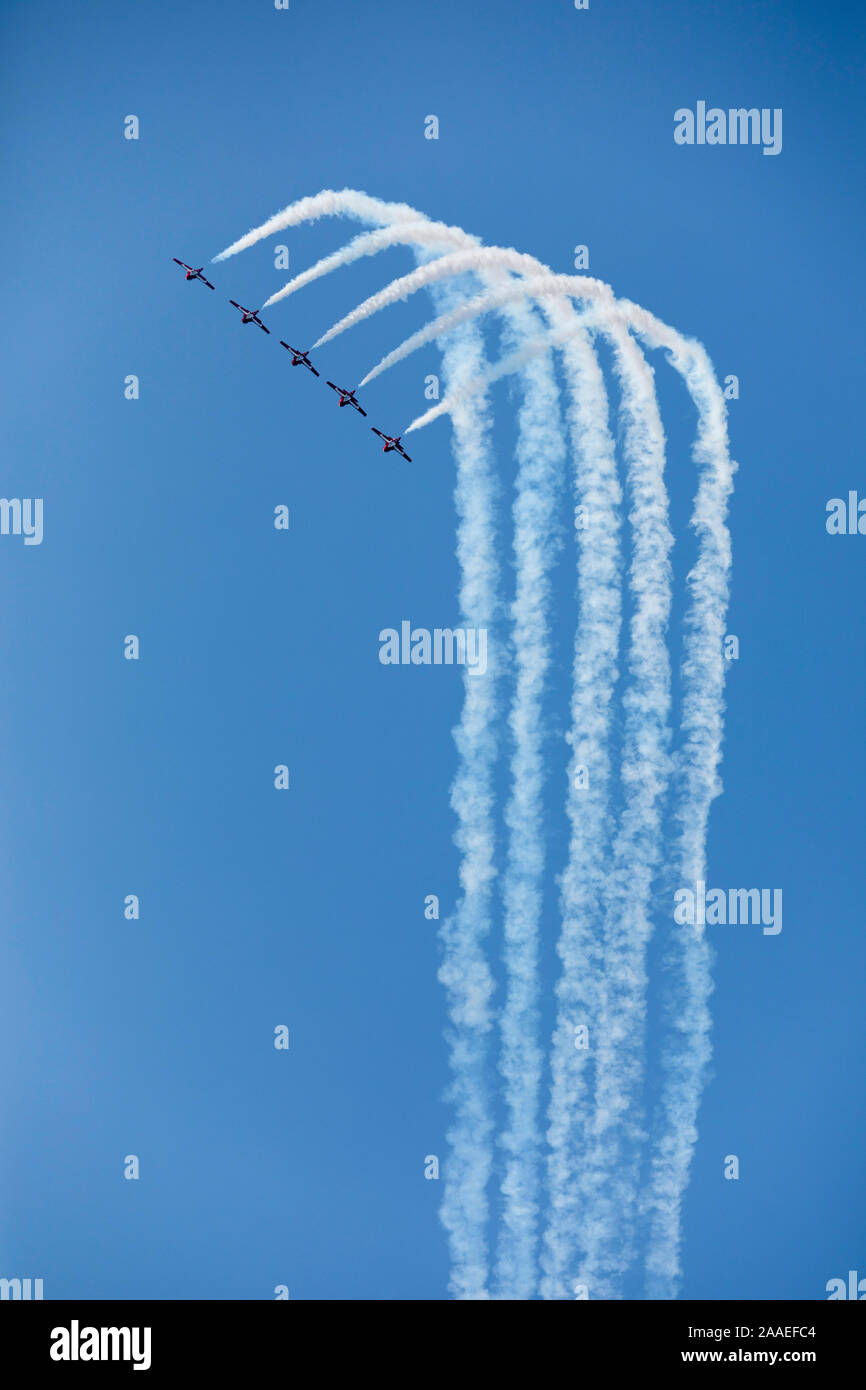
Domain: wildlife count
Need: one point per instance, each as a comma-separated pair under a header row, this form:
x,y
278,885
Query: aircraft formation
x,y
346,395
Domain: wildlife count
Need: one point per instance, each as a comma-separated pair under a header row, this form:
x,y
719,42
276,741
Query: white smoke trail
x,y
610,1176
539,483
543,286
464,1209
703,706
479,259
539,451
596,640
702,711
597,495
521,1059
464,970
702,675
347,202
558,337
423,232
595,674
609,1179
539,457
596,644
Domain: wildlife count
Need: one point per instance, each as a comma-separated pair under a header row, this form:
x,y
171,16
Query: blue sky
x,y
154,1037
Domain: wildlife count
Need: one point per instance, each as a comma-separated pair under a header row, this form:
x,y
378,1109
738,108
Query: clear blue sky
x,y
154,1037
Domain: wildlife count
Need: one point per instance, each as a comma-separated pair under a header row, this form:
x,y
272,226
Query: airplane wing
x,y
207,282
362,411
405,455
235,303
262,326
379,432
312,369
183,263
332,386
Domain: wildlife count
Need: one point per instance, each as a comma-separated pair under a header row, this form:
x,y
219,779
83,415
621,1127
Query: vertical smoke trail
x,y
579,989
609,1181
540,457
688,1048
596,490
702,673
596,648
610,1177
464,970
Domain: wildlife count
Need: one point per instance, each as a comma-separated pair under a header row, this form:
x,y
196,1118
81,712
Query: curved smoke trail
x,y
429,234
703,678
608,1180
602,981
597,639
538,447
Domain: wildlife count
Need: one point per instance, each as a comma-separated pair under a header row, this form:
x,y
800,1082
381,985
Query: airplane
x,y
249,315
299,357
192,273
392,442
346,397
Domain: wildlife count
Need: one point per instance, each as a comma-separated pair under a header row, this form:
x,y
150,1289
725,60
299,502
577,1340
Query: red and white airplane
x,y
192,272
346,397
249,315
299,357
392,441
